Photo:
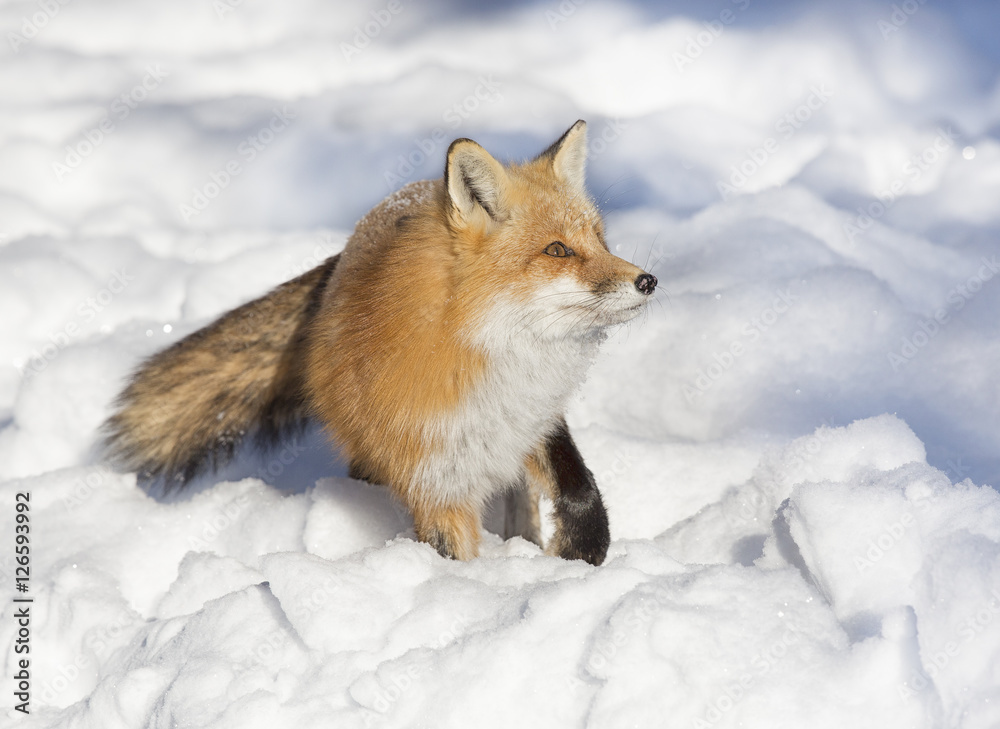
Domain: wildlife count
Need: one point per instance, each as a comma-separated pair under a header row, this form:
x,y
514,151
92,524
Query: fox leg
x,y
520,513
557,469
452,530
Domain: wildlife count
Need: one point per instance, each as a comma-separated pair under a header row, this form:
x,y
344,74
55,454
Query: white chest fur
x,y
524,392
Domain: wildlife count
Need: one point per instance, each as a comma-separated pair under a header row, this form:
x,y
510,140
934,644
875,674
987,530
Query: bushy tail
x,y
190,406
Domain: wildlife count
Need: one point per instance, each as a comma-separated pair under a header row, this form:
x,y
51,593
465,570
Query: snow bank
x,y
844,566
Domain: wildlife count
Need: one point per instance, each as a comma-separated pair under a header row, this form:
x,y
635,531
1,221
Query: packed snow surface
x,y
798,444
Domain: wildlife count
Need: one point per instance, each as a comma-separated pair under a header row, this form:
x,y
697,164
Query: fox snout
x,y
646,283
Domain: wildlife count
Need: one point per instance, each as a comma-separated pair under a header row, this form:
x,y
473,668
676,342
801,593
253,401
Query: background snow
x,y
805,531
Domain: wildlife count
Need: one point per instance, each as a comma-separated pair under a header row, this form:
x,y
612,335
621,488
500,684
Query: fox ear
x,y
569,156
476,183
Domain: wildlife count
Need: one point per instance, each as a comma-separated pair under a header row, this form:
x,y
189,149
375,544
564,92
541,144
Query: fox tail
x,y
190,406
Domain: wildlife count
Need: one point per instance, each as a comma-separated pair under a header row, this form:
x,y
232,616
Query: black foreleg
x,y
581,520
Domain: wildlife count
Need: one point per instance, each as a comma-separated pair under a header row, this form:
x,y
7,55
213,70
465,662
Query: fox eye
x,y
558,250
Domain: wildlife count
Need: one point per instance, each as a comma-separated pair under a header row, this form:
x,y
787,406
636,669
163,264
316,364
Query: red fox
x,y
438,350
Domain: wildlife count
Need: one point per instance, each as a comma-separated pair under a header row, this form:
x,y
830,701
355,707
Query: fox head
x,y
529,235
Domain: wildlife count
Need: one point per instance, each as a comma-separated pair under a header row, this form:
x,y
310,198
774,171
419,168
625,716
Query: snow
x,y
798,444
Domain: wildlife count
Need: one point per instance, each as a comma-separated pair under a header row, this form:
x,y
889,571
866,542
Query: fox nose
x,y
646,283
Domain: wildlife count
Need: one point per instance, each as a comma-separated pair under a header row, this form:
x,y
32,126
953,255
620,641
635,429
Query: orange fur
x,y
391,350
453,530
